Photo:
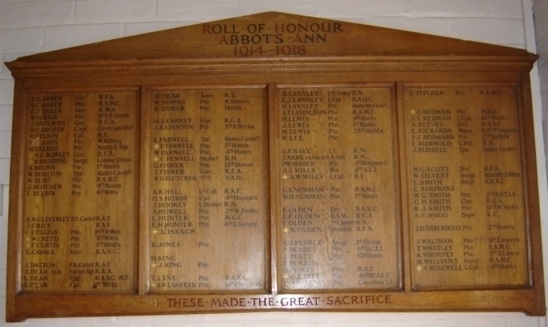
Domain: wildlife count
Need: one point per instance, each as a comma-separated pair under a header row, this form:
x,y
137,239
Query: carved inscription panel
x,y
339,196
81,164
273,162
338,209
208,189
467,205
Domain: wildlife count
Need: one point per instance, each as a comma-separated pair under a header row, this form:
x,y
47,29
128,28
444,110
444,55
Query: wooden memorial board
x,y
273,162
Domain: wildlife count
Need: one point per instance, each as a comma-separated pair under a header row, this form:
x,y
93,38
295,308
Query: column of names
x,y
467,208
208,190
80,157
338,207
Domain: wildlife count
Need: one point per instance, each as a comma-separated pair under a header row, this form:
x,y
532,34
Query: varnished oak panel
x,y
298,170
209,189
80,164
471,208
338,187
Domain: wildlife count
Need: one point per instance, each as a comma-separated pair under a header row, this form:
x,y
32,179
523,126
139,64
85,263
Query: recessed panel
x,y
208,214
467,204
81,163
338,214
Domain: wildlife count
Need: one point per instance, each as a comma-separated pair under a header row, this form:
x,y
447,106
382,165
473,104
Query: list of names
x,y
81,162
337,170
208,216
467,209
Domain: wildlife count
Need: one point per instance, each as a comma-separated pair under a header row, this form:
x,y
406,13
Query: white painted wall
x,y
540,11
33,26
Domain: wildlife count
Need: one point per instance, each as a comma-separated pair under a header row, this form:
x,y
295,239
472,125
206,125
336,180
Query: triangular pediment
x,y
274,35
